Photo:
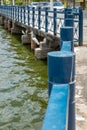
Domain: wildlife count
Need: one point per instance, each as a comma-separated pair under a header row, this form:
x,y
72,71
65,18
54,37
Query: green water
x,y
23,85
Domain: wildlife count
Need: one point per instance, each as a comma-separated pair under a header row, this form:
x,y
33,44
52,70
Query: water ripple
x,y
23,86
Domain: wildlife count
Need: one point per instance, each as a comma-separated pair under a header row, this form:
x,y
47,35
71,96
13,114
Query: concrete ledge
x,y
42,53
26,39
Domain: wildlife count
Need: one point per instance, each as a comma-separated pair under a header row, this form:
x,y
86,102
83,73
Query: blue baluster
x,y
33,14
24,15
12,12
80,27
46,20
21,14
55,22
18,13
28,15
39,17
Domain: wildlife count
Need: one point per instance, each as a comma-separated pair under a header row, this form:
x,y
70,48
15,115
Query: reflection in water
x,y
23,86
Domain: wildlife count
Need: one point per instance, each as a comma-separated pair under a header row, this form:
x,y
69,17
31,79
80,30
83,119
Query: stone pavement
x,y
81,82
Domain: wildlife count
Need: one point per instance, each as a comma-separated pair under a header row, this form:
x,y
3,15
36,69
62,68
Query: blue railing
x,y
57,112
60,114
45,20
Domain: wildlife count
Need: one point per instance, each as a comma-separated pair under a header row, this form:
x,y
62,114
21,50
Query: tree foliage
x,y
20,2
17,2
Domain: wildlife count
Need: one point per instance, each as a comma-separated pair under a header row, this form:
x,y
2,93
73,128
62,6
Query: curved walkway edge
x,y
81,82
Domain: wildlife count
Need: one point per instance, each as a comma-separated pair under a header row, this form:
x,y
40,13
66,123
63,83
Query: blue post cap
x,y
59,54
61,67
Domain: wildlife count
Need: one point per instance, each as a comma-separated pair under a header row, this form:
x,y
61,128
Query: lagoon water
x,y
23,85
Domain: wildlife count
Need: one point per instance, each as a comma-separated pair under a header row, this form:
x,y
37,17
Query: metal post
x,y
13,3
55,22
11,12
18,13
39,17
46,20
24,14
21,14
66,34
71,117
80,27
28,15
15,13
33,13
61,69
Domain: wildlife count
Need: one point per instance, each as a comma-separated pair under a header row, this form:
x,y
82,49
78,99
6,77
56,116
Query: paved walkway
x,y
81,82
